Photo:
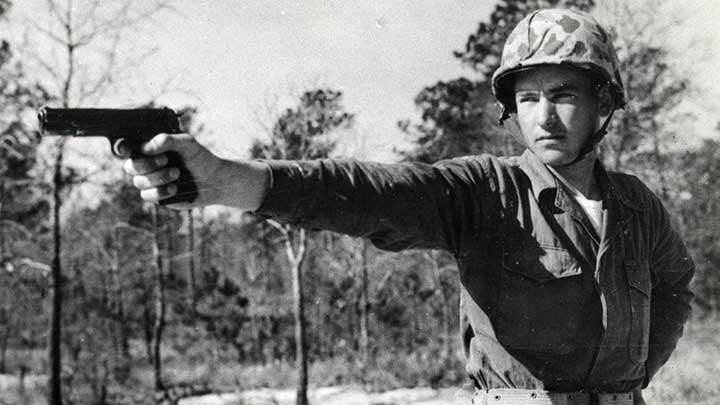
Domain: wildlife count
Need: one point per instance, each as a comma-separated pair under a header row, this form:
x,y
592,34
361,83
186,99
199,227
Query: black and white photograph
x,y
334,202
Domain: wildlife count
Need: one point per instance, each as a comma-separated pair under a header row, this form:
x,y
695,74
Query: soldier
x,y
574,283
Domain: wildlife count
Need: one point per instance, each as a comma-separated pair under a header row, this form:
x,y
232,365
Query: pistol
x,y
123,127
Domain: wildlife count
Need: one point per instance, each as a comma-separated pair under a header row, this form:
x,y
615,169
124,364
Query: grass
x,y
690,376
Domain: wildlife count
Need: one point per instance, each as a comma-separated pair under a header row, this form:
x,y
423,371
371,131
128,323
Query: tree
x,y
75,78
696,201
459,117
456,120
302,133
642,134
22,207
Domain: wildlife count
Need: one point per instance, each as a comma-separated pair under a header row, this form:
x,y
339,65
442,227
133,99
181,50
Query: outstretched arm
x,y
397,206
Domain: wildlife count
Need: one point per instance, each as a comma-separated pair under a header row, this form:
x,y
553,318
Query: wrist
x,y
243,184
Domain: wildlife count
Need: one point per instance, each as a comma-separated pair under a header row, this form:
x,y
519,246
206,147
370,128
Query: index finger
x,y
144,165
159,144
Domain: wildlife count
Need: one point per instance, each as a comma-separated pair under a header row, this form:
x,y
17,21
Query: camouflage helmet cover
x,y
553,37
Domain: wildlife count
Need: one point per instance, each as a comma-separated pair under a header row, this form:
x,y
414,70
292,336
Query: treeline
x,y
153,298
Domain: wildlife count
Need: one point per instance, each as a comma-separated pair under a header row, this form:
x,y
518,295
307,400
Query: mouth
x,y
554,137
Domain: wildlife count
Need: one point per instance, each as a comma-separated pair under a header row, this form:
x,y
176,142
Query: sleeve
x,y
396,206
673,270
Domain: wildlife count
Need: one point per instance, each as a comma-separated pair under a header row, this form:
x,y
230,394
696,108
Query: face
x,y
558,109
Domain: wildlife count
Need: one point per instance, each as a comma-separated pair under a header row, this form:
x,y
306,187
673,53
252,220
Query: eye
x,y
565,96
526,97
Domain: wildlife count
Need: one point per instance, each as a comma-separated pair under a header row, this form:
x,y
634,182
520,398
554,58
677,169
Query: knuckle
x,y
170,140
149,195
163,176
160,160
168,190
160,140
138,182
138,166
173,174
128,167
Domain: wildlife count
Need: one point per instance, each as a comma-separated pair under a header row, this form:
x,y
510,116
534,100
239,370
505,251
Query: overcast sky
x,y
380,53
229,57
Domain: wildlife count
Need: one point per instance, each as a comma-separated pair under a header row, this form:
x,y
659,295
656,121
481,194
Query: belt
x,y
512,396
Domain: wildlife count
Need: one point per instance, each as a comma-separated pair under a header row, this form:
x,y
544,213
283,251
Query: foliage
x,y
23,207
304,132
456,120
458,117
645,128
484,47
697,206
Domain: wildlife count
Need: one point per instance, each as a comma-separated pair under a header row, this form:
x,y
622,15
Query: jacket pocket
x,y
540,300
639,286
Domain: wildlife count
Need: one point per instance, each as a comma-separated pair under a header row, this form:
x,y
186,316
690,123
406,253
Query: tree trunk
x,y
55,353
434,257
204,262
159,320
121,325
296,257
300,342
191,248
148,326
364,306
4,341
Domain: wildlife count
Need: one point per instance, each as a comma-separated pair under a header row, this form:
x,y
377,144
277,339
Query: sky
x,y
233,58
240,55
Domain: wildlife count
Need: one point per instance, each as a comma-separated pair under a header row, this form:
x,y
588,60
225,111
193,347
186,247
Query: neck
x,y
580,175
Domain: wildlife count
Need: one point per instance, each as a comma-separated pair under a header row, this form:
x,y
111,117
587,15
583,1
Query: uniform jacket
x,y
546,302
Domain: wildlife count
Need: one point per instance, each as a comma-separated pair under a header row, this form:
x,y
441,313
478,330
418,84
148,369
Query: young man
x,y
575,286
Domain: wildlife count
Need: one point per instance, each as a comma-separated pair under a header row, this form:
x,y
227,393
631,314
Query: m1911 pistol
x,y
127,128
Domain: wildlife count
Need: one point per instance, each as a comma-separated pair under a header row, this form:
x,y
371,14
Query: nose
x,y
547,113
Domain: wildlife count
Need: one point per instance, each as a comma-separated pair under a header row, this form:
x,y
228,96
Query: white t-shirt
x,y
593,208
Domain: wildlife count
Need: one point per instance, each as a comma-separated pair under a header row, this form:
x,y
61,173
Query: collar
x,y
542,179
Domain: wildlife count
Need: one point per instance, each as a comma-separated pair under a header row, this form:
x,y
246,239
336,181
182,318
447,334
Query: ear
x,y
606,101
512,126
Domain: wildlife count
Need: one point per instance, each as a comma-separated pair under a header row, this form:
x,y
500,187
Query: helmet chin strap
x,y
590,144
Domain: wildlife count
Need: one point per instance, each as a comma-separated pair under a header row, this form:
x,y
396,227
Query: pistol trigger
x,y
116,145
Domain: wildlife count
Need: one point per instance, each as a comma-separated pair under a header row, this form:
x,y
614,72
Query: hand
x,y
219,181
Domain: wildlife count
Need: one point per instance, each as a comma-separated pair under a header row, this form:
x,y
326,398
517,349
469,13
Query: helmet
x,y
554,37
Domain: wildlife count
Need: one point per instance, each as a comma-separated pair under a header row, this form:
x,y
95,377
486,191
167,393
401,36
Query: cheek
x,y
578,115
525,117
575,118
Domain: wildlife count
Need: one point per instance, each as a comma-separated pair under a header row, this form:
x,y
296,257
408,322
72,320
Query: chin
x,y
553,157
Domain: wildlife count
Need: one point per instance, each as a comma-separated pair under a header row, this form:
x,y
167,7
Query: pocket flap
x,y
542,264
638,275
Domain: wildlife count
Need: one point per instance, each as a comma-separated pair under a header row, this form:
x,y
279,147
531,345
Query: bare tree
x,y
302,133
77,50
655,88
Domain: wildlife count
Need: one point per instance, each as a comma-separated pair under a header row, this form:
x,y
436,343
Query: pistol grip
x,y
187,190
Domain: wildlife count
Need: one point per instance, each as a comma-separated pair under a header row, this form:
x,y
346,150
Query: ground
x,y
347,395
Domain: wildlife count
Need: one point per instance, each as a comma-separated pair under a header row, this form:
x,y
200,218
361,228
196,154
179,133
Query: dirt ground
x,y
345,395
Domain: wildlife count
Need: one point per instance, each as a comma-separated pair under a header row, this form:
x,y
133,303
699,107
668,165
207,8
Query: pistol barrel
x,y
107,121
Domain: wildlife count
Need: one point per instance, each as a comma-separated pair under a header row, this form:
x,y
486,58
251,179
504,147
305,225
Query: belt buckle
x,y
598,398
